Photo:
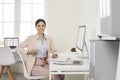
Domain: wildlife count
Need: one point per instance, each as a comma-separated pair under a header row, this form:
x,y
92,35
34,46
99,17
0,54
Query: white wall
x,y
89,17
63,19
64,16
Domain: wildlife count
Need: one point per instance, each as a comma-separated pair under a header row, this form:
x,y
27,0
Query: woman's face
x,y
40,27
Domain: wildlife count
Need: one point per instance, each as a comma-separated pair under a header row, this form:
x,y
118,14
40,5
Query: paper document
x,y
59,59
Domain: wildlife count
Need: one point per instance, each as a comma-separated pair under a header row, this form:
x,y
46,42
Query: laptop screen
x,y
11,42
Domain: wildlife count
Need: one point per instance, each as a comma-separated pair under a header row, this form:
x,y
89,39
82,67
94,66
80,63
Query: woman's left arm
x,y
51,49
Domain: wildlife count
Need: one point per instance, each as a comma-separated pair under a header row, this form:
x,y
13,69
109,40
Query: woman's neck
x,y
41,35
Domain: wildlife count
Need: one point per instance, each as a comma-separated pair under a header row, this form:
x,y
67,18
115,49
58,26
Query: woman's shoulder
x,y
48,37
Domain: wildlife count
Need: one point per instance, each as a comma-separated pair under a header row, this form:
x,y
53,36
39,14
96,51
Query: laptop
x,y
11,42
69,62
74,62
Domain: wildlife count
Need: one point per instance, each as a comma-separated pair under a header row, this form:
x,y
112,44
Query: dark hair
x,y
40,20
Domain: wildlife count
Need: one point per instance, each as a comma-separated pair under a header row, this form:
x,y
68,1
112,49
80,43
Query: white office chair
x,y
6,59
26,75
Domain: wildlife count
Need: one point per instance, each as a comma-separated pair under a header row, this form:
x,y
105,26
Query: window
x,y
104,8
31,10
17,17
6,21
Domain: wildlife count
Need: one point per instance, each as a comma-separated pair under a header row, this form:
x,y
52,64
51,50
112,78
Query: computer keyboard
x,y
75,62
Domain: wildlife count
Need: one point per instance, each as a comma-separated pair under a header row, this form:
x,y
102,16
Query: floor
x,y
19,76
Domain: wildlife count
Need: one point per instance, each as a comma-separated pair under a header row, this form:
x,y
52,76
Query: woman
x,y
39,47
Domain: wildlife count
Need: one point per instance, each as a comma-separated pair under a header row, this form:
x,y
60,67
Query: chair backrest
x,y
6,56
26,75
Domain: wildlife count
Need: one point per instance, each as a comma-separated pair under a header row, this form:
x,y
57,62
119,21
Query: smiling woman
x,y
39,47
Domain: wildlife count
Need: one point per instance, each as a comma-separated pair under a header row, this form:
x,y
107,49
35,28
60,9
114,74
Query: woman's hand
x,y
32,52
47,61
54,55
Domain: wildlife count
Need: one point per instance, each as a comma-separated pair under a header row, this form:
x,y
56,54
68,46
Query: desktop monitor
x,y
11,42
81,37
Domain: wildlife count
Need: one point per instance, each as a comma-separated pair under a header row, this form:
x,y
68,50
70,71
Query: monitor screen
x,y
81,37
11,42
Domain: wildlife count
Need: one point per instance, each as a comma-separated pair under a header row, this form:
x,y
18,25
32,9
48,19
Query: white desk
x,y
69,69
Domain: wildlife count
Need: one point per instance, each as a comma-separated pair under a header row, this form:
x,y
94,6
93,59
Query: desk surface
x,y
69,69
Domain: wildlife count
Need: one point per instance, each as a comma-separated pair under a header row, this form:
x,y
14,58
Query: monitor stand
x,y
81,54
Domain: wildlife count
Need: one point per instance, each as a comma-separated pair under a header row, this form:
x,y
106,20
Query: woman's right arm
x,y
21,47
